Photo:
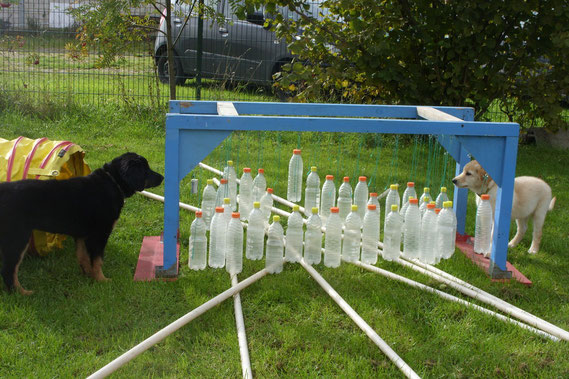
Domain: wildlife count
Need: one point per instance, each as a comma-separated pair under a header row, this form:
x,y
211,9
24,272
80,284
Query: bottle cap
x,y
447,204
230,163
437,210
223,181
269,190
413,201
246,169
295,208
411,197
373,194
276,218
432,202
313,168
362,178
329,177
485,197
296,151
393,187
235,215
261,171
410,184
354,207
199,214
314,210
426,190
427,199
443,189
371,207
334,209
218,209
210,182
346,178
431,206
256,204
226,200
394,207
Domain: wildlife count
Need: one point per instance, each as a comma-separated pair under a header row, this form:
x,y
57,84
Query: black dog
x,y
85,208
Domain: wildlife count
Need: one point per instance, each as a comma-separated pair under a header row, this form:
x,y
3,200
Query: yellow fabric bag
x,y
24,158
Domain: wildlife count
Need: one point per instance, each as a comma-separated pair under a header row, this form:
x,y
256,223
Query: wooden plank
x,y
430,113
226,108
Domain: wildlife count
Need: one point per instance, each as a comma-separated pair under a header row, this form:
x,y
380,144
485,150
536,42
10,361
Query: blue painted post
x,y
460,194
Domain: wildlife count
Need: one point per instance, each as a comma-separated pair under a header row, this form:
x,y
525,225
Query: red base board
x,y
151,255
466,244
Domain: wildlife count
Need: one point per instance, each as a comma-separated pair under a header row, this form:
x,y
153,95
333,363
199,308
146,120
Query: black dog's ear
x,y
133,172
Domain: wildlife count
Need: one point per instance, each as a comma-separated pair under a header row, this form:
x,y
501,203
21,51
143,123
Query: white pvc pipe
x,y
383,346
162,334
241,334
455,299
153,196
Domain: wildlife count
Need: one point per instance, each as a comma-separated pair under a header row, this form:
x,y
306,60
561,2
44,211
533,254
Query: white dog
x,y
532,198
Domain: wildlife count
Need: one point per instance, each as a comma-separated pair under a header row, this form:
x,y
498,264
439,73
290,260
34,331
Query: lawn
x,y
72,326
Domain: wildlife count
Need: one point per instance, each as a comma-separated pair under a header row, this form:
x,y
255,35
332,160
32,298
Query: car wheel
x,y
163,70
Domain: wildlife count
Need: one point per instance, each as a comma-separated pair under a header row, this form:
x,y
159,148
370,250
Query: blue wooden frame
x,y
194,129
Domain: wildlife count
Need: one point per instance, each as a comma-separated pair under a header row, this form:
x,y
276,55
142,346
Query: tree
x,y
458,53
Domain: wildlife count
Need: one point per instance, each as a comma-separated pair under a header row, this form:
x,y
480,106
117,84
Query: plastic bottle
x,y
428,237
404,208
352,236
294,234
198,243
443,196
312,191
227,211
345,198
483,231
234,252
231,176
412,230
208,203
370,235
259,185
409,191
333,239
392,235
426,192
245,193
294,189
222,192
361,194
275,247
445,231
373,200
313,238
391,199
255,233
217,240
328,198
454,225
423,207
266,205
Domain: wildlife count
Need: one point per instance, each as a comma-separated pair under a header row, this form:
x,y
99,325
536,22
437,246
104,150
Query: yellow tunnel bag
x,y
42,159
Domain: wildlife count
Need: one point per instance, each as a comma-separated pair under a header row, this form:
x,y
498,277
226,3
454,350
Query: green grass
x,y
73,326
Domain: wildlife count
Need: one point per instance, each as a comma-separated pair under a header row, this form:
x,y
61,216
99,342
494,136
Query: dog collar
x,y
116,183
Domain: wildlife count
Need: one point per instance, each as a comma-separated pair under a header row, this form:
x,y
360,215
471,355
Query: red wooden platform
x,y
151,254
466,244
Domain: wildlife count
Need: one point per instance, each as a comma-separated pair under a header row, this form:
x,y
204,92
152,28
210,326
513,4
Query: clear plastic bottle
x,y
392,198
404,208
483,231
345,198
234,253
454,223
231,176
409,191
373,200
217,240
222,192
370,235
412,230
267,204
255,233
328,198
426,192
259,185
227,211
423,206
392,235
333,239
361,194
443,196
313,238
294,234
198,243
275,247
245,193
428,236
352,236
294,189
208,202
445,231
312,191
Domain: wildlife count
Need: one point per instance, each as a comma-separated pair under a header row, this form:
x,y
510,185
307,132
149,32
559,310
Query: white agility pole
x,y
383,346
241,334
165,332
153,196
447,296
